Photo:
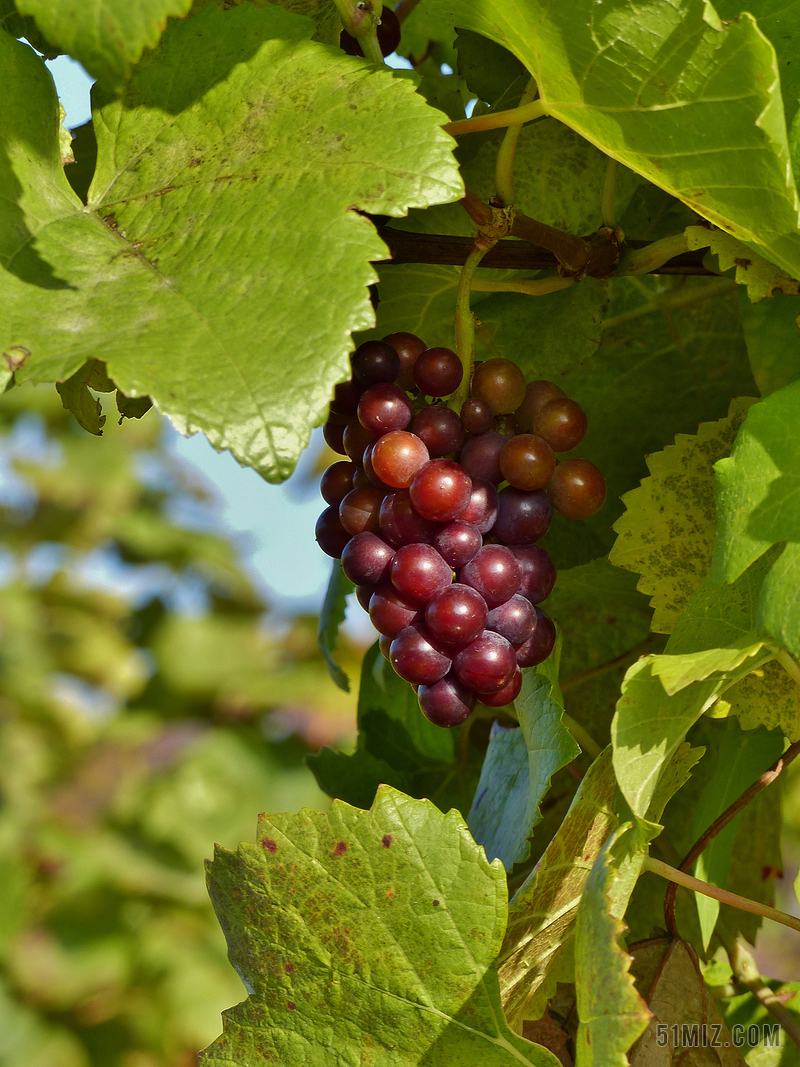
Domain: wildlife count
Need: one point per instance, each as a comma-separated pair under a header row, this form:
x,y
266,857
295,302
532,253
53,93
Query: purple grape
x,y
481,511
416,657
367,560
400,524
390,613
487,664
446,702
515,620
440,428
540,644
441,490
538,572
345,398
480,456
438,372
384,644
522,517
330,534
375,362
419,573
505,695
494,572
457,542
457,615
383,408
477,416
337,482
364,595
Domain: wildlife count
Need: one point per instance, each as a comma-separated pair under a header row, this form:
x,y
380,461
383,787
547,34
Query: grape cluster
x,y
444,561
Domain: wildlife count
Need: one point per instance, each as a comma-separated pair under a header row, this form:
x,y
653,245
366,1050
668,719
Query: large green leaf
x,y
214,269
667,89
612,1014
106,36
773,340
373,931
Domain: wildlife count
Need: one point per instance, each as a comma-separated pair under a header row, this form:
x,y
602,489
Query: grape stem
x,y
643,260
497,120
504,164
746,974
609,188
361,20
530,286
676,877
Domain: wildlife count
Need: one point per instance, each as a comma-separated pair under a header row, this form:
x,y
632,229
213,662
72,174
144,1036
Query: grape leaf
x,y
200,227
773,340
611,1012
324,14
669,91
330,921
519,766
75,395
331,617
541,917
426,34
106,36
746,1010
667,531
761,278
490,70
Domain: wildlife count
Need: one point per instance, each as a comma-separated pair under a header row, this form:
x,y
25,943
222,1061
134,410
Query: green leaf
x,y
742,758
519,767
106,36
330,921
84,152
773,1048
611,1012
324,14
667,531
203,220
331,617
541,918
773,340
490,70
672,93
761,278
75,395
132,407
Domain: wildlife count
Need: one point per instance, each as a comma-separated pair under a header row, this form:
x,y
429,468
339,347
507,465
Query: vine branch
x,y
746,974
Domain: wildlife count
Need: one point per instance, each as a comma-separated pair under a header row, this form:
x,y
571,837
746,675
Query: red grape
x,y
494,572
330,534
515,619
577,489
440,428
541,642
408,347
505,695
416,657
480,456
337,481
355,440
500,383
366,559
419,573
457,615
457,542
400,524
522,517
333,432
385,644
481,511
487,664
446,702
538,572
537,394
364,595
476,415
390,613
397,457
345,398
438,372
375,362
441,490
384,407
527,462
561,422
359,510
369,471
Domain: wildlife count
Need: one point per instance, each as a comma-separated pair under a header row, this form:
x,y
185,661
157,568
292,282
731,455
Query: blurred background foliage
x,y
148,708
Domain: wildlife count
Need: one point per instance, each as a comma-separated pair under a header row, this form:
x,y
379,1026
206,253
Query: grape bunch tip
x,y
435,515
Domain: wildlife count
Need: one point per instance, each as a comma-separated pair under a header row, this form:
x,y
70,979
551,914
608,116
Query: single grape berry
x,y
408,347
368,473
494,572
527,462
419,573
522,517
333,432
400,524
390,613
384,407
397,456
364,594
438,372
345,398
457,615
481,511
337,481
416,656
440,428
388,36
577,489
457,542
515,619
476,416
486,664
375,362
360,479
480,456
385,644
537,572
561,422
367,560
537,394
446,702
500,383
505,695
359,510
541,642
355,440
330,534
441,490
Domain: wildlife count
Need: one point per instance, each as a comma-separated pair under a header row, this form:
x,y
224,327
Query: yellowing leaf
x,y
762,278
